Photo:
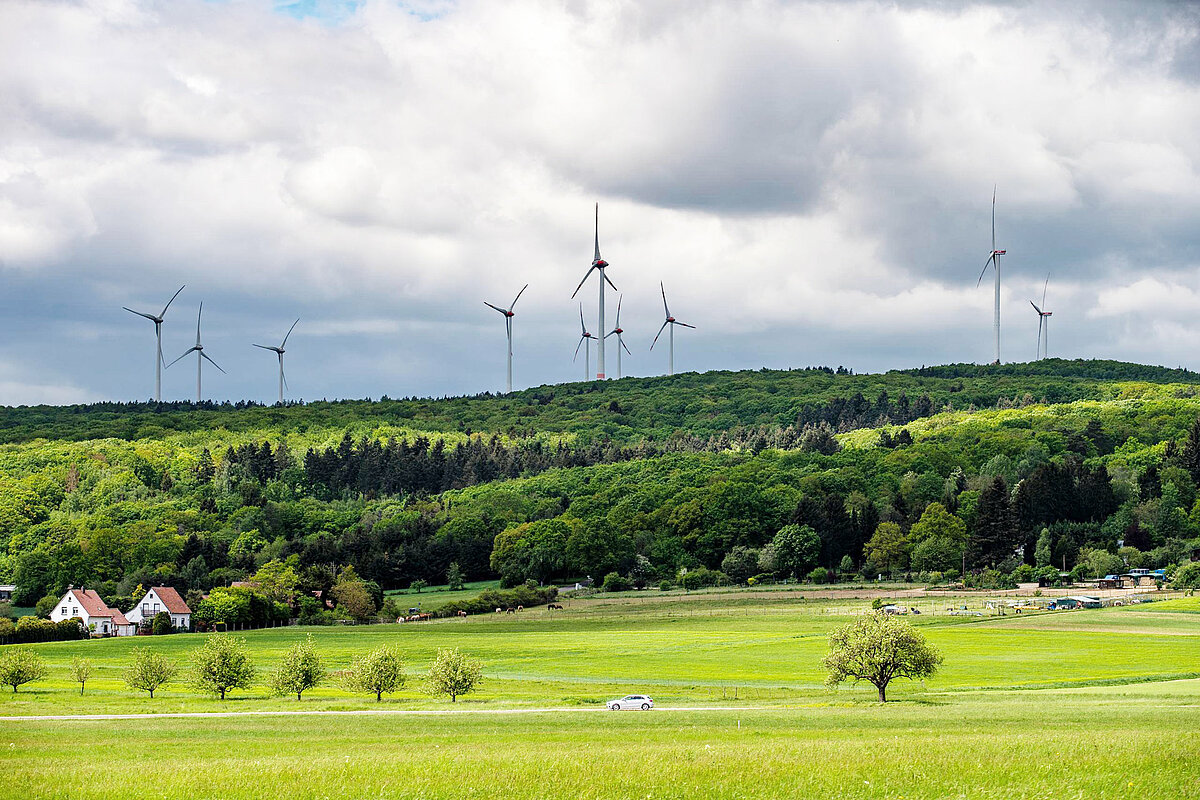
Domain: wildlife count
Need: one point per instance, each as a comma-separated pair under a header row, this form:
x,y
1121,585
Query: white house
x,y
97,617
162,598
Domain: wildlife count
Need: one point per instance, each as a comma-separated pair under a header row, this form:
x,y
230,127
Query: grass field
x,y
1082,704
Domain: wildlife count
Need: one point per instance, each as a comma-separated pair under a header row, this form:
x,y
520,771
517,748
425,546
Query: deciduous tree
x,y
301,669
81,671
19,666
149,670
878,648
378,672
453,674
222,664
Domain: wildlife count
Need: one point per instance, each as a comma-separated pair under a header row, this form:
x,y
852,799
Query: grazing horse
x,y
499,610
510,610
520,608
462,613
553,607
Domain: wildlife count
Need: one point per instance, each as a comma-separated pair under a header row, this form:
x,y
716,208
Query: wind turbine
x,y
508,315
198,349
158,321
279,351
994,262
672,322
584,336
617,331
1043,322
598,263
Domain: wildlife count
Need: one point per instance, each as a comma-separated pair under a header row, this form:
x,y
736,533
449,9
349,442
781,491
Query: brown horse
x,y
462,613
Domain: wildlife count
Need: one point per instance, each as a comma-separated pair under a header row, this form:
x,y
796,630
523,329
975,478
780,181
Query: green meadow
x,y
1087,704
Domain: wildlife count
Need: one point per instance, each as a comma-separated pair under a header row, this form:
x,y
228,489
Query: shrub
x,y
613,582
819,575
1047,576
1187,576
491,599
19,666
1022,574
665,586
702,577
161,625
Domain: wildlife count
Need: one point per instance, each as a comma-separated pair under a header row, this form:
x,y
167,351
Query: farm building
x,y
162,598
96,615
6,592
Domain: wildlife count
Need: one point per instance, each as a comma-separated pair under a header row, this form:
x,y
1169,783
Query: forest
x,y
1009,472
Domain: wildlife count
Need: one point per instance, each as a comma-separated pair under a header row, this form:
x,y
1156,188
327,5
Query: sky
x,y
811,181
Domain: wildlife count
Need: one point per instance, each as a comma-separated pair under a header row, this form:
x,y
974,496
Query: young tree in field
x,y
300,670
222,664
877,648
19,666
81,671
453,674
149,670
377,672
454,577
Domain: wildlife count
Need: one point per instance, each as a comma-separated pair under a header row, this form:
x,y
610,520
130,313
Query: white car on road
x,y
631,702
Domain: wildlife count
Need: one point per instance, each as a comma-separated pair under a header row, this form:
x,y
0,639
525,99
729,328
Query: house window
x,y
64,611
74,612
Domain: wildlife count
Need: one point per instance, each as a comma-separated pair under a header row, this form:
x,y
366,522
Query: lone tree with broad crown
x,y
453,674
149,670
876,648
222,664
379,671
19,666
300,670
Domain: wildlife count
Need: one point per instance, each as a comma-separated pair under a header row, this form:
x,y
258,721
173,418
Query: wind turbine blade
x,y
664,294
1045,286
140,314
185,352
489,305
597,256
619,299
1035,308
577,346
283,375
993,216
265,347
580,286
610,283
621,341
684,324
518,297
582,324
198,313
289,333
660,330
172,300
987,264
204,355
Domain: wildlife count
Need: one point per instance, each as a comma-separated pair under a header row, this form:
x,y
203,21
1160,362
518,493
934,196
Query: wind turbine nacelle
x,y
601,263
999,252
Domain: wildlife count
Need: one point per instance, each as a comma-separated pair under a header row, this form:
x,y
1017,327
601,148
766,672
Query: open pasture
x,y
682,653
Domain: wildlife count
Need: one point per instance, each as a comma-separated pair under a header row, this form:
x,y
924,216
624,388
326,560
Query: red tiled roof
x,y
172,600
118,618
92,603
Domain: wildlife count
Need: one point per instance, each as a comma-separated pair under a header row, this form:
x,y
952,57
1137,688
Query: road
x,y
359,712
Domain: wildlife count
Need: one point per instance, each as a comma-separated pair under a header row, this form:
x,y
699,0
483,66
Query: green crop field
x,y
1085,704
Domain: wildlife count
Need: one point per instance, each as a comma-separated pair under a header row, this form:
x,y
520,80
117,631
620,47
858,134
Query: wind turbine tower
x,y
159,360
198,349
994,262
598,263
670,322
617,331
584,337
1043,323
508,315
279,351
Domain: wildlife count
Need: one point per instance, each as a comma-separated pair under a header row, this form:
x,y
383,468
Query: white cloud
x,y
787,169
